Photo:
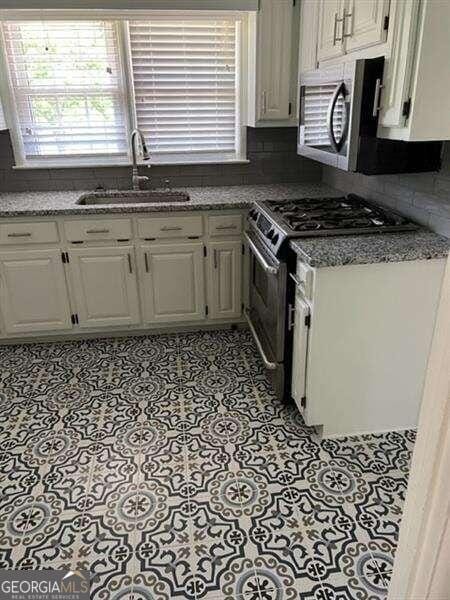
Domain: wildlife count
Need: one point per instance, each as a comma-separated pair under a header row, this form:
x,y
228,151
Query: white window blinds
x,y
185,83
67,87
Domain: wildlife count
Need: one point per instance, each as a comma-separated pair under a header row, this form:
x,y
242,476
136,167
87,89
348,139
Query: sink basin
x,y
131,197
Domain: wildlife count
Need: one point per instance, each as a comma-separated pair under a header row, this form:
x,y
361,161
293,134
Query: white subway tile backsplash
x,y
424,197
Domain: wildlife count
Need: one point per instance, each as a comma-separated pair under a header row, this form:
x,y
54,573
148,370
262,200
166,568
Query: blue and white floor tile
x,y
166,466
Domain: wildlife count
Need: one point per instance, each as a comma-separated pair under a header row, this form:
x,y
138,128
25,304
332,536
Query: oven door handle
x,y
267,363
262,261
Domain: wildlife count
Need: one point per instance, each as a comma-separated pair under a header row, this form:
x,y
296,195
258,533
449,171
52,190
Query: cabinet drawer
x,y
224,225
98,229
28,233
170,227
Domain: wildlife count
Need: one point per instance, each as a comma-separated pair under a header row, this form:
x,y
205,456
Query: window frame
x,y
121,18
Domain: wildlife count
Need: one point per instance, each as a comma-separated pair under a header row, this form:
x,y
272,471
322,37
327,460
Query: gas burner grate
x,y
346,213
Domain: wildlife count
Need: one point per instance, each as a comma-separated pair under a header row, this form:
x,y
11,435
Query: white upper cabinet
x,y
364,23
331,17
415,100
333,29
173,282
273,63
33,291
104,286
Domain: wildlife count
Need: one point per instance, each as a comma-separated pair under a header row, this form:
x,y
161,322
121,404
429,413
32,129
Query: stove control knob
x,y
275,238
253,214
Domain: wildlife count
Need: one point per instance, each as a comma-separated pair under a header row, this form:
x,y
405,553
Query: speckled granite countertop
x,y
23,204
318,252
371,248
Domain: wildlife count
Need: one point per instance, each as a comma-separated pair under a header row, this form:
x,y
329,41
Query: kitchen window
x,y
77,88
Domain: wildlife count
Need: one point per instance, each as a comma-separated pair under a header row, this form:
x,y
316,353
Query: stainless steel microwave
x,y
338,122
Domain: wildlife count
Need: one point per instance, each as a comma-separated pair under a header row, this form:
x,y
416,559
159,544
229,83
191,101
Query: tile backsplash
x,y
424,197
271,152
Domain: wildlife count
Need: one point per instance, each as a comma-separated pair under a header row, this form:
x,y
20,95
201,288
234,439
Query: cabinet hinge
x,y
74,319
290,108
303,401
206,310
386,23
205,252
406,108
308,320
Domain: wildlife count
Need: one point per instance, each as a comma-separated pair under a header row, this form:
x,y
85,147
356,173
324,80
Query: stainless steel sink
x,y
131,197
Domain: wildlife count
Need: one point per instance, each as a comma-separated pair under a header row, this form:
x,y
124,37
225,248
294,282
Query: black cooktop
x,y
334,215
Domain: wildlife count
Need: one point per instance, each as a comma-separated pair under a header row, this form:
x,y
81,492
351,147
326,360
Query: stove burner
x,y
334,214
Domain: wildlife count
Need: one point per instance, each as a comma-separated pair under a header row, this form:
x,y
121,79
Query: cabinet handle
x,y
130,266
263,102
171,228
291,316
146,262
16,235
350,33
376,99
336,21
97,230
215,258
221,227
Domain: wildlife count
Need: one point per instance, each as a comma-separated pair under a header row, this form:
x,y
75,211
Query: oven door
x,y
266,314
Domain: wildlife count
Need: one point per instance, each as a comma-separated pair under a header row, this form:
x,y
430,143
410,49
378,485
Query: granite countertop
x,y
316,251
23,204
364,249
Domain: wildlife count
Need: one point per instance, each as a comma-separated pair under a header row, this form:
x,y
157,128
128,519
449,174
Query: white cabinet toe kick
x,y
362,337
77,276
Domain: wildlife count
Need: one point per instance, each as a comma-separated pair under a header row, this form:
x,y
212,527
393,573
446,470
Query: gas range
x,y
277,221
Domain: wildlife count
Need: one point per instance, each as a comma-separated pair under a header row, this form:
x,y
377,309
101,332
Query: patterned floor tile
x,y
166,466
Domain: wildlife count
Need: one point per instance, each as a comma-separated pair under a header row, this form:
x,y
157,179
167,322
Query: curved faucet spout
x,y
137,134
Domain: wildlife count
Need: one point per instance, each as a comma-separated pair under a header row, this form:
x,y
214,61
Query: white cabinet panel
x,y
33,291
309,14
364,23
173,282
330,40
274,60
225,279
104,284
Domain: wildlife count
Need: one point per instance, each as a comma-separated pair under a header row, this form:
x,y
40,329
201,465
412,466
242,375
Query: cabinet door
x,y
330,40
33,291
173,282
274,60
225,279
104,285
300,352
364,22
309,13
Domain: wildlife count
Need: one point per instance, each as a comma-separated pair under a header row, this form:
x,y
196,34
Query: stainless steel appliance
x,y
270,226
338,121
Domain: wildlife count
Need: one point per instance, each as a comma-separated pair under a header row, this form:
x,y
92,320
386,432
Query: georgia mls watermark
x,y
44,585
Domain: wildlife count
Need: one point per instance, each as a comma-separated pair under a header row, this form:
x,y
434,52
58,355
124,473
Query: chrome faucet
x,y
137,133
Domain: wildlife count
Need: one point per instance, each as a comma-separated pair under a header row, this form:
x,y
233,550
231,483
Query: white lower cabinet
x,y
225,279
104,286
33,291
173,282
